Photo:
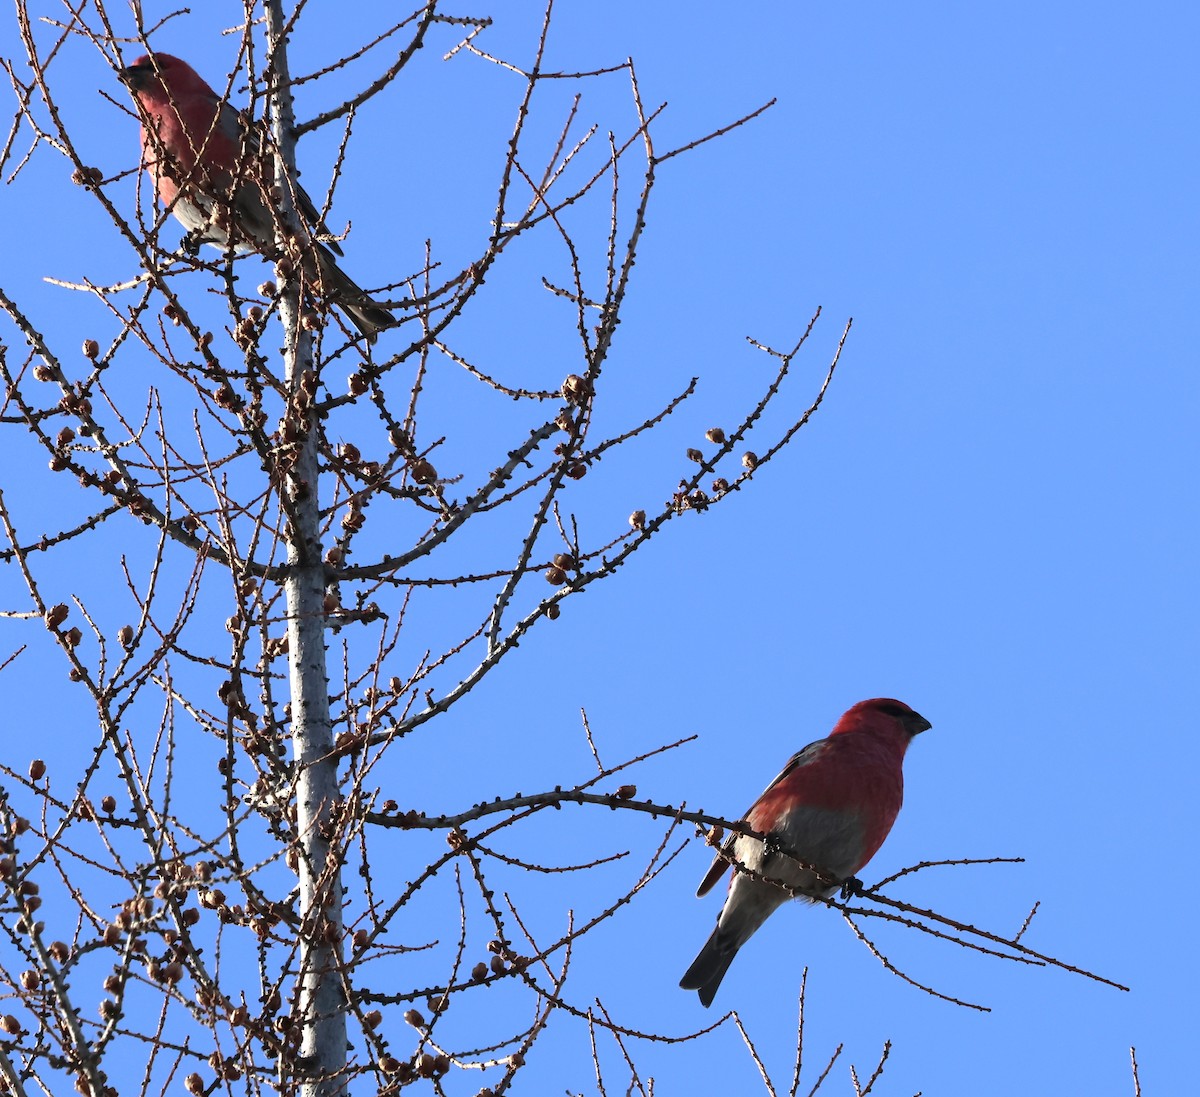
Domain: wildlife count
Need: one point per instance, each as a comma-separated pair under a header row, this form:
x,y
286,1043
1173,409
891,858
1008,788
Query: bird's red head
x,y
880,712
157,76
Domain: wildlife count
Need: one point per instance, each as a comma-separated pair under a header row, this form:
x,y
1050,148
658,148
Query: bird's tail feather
x,y
340,289
709,967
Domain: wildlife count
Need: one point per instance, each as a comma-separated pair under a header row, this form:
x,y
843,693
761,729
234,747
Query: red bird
x,y
210,171
831,807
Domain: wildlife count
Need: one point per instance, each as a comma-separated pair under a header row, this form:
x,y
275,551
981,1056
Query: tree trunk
x,y
319,988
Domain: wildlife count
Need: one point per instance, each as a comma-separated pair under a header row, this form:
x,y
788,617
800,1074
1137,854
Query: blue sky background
x,y
993,517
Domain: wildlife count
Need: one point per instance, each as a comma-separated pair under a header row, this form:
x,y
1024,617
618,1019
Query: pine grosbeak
x,y
210,170
831,808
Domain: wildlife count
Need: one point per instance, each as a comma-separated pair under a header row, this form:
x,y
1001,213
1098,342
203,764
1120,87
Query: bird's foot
x,y
772,847
851,886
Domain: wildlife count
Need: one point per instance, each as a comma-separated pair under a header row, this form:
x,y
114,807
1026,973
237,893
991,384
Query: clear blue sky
x,y
992,518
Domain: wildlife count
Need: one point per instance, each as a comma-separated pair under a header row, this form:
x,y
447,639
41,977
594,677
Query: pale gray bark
x,y
320,991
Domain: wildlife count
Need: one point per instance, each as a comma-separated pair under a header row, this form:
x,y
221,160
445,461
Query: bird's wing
x,y
249,136
724,858
803,757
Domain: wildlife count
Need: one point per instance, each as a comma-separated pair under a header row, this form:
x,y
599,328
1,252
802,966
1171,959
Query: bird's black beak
x,y
136,76
917,724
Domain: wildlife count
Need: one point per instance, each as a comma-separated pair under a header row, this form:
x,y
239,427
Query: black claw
x,y
851,886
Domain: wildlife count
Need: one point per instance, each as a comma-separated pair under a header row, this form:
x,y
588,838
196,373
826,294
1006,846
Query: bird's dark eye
x,y
893,709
